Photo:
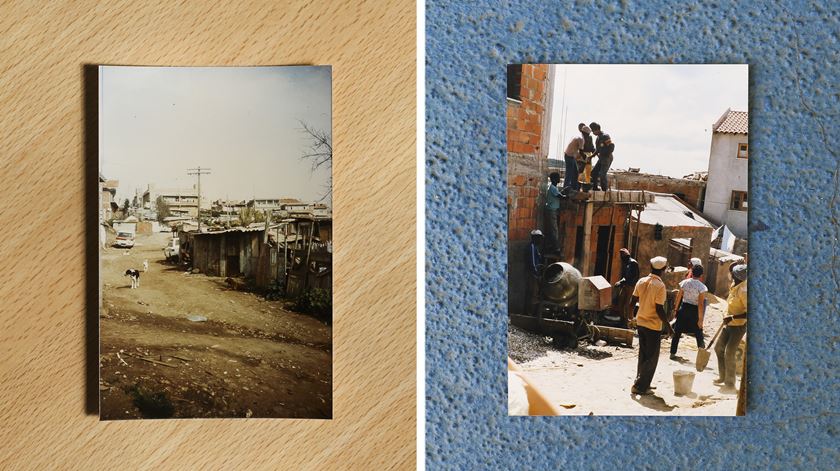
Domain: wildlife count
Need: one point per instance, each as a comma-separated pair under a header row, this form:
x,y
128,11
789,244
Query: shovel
x,y
703,354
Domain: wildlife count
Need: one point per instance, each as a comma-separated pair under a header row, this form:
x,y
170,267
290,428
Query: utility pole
x,y
199,172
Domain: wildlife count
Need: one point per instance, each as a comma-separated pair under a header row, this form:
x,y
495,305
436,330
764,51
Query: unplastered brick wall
x,y
603,215
690,191
525,117
526,177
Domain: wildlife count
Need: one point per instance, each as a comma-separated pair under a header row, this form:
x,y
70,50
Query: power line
x,y
198,172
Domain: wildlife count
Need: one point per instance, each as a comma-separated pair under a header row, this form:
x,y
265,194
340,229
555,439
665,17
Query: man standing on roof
x,y
650,292
625,286
585,163
604,148
573,153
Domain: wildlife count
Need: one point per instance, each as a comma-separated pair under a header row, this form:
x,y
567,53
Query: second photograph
x,y
627,196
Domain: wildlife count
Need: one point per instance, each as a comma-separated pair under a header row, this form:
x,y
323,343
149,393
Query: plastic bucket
x,y
683,382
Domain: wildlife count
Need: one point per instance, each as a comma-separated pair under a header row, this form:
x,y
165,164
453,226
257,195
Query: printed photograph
x,y
627,244
215,230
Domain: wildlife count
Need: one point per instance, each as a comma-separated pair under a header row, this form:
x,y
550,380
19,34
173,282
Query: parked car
x,y
171,251
124,240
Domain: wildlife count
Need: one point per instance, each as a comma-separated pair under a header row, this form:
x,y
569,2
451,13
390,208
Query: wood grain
x,y
44,423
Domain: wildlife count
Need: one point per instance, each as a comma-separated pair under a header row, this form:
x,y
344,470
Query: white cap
x,y
696,261
658,263
536,232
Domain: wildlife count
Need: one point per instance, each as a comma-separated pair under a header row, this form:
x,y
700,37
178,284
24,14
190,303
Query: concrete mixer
x,y
571,307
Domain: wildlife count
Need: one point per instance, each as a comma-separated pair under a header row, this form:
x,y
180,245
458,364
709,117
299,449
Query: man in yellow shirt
x,y
650,293
734,330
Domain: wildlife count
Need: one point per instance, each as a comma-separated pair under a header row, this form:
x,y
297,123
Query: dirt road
x,y
249,358
593,380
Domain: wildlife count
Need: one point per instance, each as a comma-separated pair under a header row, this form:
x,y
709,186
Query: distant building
x,y
181,201
228,206
107,191
270,204
291,206
726,187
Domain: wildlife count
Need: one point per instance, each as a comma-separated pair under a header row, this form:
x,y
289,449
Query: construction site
x,y
573,347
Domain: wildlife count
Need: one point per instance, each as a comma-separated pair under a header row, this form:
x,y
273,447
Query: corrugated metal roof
x,y
233,229
668,211
732,122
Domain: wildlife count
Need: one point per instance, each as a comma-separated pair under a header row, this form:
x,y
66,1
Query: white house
x,y
726,187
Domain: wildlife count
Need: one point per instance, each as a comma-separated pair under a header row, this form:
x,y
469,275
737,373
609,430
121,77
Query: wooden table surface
x,y
47,332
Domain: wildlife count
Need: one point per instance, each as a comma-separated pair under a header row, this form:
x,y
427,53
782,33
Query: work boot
x,y
718,381
646,392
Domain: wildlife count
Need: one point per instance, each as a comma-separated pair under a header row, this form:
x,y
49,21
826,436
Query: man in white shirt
x,y
573,153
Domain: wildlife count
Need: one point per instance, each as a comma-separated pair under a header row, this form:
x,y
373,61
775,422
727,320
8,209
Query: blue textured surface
x,y
792,47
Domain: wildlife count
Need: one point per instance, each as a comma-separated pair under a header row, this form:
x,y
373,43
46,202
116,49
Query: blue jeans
x,y
599,172
571,178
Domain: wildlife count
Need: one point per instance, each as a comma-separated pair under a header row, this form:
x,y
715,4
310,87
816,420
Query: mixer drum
x,y
560,284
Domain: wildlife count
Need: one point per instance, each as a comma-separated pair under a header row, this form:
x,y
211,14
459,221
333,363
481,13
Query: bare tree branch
x,y
320,152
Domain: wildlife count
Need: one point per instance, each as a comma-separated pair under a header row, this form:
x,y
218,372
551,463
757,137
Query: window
x,y
514,81
742,151
739,201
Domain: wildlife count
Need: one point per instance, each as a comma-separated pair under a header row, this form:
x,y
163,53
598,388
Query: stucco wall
x,y
726,173
649,247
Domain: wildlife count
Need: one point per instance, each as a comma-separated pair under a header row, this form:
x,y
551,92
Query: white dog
x,y
145,265
135,277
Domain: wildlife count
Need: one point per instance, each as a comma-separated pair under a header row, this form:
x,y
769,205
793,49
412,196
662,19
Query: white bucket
x,y
683,382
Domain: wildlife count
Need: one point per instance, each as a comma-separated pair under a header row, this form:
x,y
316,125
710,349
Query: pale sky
x,y
659,116
241,122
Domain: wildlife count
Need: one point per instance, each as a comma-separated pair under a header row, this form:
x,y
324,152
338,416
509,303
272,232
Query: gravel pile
x,y
525,346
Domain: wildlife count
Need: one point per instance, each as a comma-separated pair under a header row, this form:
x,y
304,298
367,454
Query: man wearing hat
x,y
624,286
651,318
694,262
735,326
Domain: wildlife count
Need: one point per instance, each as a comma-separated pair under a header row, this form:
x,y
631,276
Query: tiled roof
x,y
732,122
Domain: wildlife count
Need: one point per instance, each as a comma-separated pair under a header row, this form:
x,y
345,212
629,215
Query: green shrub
x,y
316,301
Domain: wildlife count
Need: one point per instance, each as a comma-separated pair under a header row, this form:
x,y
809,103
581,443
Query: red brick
x,y
540,72
518,180
519,148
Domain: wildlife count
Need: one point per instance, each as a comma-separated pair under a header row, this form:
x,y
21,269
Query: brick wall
x,y
571,217
526,179
527,176
690,191
527,162
525,118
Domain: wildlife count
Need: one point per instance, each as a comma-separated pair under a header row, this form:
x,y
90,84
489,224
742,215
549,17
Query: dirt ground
x,y
250,358
596,380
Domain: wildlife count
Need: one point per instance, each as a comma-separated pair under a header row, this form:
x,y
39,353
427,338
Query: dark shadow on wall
x,y
90,119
